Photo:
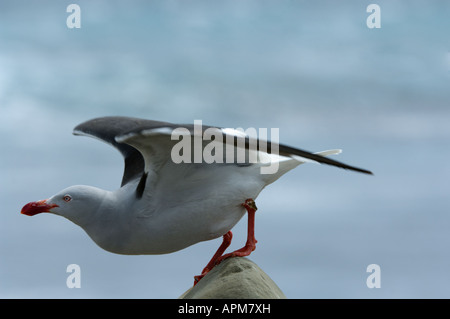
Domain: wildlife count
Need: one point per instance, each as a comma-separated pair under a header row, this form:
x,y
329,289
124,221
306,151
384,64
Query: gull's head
x,y
76,203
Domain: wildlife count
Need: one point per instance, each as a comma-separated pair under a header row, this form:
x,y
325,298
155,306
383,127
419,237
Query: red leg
x,y
225,243
250,245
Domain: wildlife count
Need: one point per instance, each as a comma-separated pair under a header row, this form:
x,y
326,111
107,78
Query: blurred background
x,y
312,69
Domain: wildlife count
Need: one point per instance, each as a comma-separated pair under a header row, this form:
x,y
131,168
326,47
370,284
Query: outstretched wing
x,y
153,140
146,145
107,128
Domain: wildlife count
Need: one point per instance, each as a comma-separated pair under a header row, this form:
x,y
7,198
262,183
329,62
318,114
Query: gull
x,y
165,205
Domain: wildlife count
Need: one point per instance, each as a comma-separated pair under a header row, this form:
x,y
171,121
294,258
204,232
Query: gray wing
x,y
141,137
146,144
107,128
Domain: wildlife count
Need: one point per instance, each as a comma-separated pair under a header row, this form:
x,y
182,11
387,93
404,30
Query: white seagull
x,y
164,205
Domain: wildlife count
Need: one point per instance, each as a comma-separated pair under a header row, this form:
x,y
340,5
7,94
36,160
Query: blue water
x,y
312,69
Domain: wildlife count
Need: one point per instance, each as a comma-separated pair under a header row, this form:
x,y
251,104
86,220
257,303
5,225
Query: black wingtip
x,y
360,170
347,167
287,151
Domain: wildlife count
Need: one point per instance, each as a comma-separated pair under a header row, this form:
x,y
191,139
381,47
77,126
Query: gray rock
x,y
235,278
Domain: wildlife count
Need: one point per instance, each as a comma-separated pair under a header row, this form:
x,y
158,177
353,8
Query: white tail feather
x,y
288,163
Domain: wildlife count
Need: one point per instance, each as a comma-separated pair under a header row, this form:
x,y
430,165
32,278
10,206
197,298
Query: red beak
x,y
34,208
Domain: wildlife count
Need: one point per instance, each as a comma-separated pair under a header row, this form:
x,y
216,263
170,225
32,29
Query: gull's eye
x,y
67,198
